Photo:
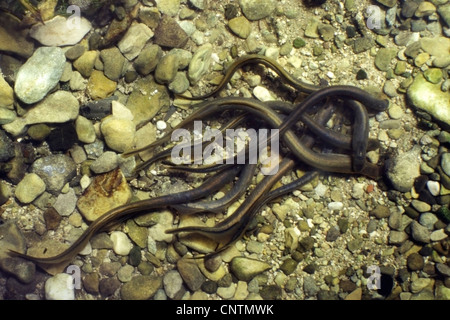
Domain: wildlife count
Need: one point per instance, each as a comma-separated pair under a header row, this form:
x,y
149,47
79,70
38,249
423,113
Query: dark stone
x,y
108,286
135,256
327,295
271,292
361,74
231,11
310,268
6,147
209,286
415,262
62,138
52,218
170,34
420,183
332,234
347,285
306,244
96,110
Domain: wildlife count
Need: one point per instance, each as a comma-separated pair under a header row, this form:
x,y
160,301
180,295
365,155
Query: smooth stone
x,y
425,9
75,52
404,169
106,192
113,63
23,270
429,97
257,9
170,34
6,147
246,269
85,130
148,59
200,63
65,203
433,75
12,238
415,262
167,68
165,222
6,93
397,237
173,283
141,287
137,234
77,82
444,12
420,233
240,26
61,31
420,206
437,46
190,273
14,38
96,110
146,100
384,57
106,162
86,62
121,243
419,284
57,288
39,74
56,170
438,235
445,163
59,107
99,86
119,134
168,7
134,40
180,83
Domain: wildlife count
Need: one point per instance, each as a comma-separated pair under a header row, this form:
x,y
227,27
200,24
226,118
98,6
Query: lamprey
x,y
127,211
257,59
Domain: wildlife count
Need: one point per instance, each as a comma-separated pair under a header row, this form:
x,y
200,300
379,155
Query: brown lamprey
x,y
127,211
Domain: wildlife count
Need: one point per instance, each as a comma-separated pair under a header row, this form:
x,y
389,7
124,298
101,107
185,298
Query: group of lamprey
x,y
305,139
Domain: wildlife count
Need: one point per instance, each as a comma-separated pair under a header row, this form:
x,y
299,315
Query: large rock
x,y
430,98
404,169
39,74
60,31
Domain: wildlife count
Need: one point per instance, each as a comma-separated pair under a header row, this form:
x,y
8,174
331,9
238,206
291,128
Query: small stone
x,y
419,284
257,9
108,286
288,266
420,206
75,52
85,63
121,243
39,74
6,93
443,269
119,134
141,287
99,86
433,75
381,212
246,269
384,57
397,237
262,94
106,192
326,32
113,63
57,288
299,43
106,162
166,69
271,292
438,235
404,169
29,188
61,31
420,233
56,170
425,9
354,245
444,12
173,283
91,283
85,130
445,163
148,59
134,40
169,34
65,203
138,234
388,3
190,273
415,262
240,26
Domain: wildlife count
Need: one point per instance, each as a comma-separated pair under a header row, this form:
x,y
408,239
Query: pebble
x,y
173,283
23,270
125,273
39,74
167,68
419,284
113,63
134,40
6,93
415,262
434,187
438,235
148,59
444,12
86,62
246,269
257,9
106,162
96,110
60,31
429,97
119,134
138,234
445,163
107,191
262,94
191,274
108,286
121,243
420,233
170,34
58,288
29,188
240,26
443,269
65,203
397,237
141,287
56,170
335,206
85,130
99,86
404,169
420,206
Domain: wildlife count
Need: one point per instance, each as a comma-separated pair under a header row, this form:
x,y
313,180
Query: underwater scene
x,y
231,150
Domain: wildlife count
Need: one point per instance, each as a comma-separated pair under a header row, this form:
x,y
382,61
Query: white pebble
x,y
434,187
121,243
60,287
161,125
438,235
262,94
335,205
321,189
